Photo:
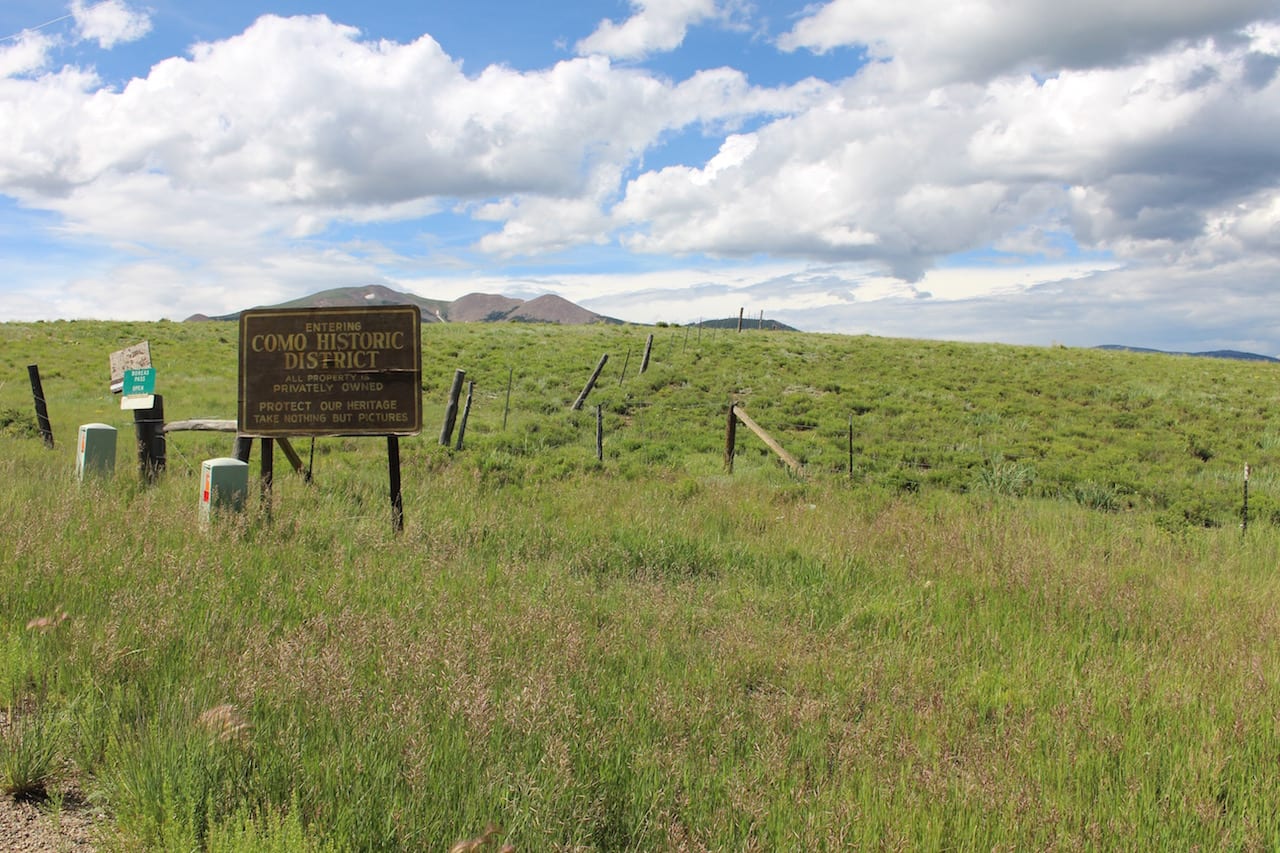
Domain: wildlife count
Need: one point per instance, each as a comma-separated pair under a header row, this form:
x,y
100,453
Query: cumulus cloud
x,y
1158,158
109,22
297,123
939,41
26,52
655,27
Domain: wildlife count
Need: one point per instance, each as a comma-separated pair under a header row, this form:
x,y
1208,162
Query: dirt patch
x,y
65,822
31,828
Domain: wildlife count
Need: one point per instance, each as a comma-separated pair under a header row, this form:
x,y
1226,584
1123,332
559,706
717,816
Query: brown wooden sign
x,y
330,371
130,358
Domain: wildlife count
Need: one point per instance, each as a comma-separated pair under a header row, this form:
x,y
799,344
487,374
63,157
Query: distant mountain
x,y
472,308
1221,353
482,308
749,324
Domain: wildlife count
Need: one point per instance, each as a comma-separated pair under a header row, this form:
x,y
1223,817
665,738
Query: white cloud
x,y
109,22
26,52
1136,160
297,123
939,41
657,26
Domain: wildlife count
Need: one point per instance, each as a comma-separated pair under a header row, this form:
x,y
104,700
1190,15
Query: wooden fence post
x,y
1244,511
736,414
648,348
740,310
582,398
599,434
466,413
730,437
42,408
148,430
451,411
850,445
506,407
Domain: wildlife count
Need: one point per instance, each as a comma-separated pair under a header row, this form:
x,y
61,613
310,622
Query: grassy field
x,y
1026,618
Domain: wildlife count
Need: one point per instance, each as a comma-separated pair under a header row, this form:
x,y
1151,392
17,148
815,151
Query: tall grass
x,y
648,653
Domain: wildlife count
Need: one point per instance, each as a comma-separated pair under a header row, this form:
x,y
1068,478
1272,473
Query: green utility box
x,y
96,451
224,483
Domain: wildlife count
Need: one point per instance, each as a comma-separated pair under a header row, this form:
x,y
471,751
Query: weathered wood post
x,y
148,430
267,462
790,461
451,411
591,383
599,433
466,413
506,407
740,310
42,408
393,476
644,361
730,437
850,445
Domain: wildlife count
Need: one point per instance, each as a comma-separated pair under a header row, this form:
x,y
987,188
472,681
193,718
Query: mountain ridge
x,y
1221,353
474,307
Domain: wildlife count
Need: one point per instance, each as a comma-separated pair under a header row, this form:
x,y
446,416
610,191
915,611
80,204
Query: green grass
x,y
1027,619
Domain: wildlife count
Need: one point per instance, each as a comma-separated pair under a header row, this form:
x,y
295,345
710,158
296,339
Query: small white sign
x,y
138,401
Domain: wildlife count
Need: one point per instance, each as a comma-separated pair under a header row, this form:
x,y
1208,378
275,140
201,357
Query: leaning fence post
x,y
595,374
451,411
42,408
648,348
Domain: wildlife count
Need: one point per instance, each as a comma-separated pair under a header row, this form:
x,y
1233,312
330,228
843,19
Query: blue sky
x,y
1034,173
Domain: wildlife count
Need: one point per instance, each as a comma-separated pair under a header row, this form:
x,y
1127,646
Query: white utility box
x,y
224,483
96,451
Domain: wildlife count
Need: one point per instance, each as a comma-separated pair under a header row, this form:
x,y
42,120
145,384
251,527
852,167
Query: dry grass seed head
x,y
224,723
46,623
